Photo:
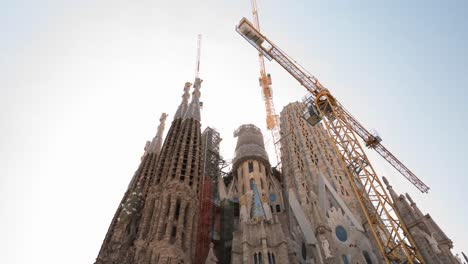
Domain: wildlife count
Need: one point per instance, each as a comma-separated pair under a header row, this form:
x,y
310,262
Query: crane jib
x,y
271,51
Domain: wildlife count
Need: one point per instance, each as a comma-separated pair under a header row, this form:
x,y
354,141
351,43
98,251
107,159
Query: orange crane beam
x,y
392,237
272,119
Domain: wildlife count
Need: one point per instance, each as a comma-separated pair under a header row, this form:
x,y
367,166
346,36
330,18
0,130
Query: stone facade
x,y
432,242
118,243
324,214
306,214
259,237
157,220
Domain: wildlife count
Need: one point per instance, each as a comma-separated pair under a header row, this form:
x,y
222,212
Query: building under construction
x,y
318,200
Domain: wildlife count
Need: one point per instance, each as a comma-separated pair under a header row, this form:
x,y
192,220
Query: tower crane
x,y
272,118
384,222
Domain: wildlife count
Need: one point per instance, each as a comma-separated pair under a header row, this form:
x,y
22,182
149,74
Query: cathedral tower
x,y
432,242
168,228
117,245
163,216
259,237
324,216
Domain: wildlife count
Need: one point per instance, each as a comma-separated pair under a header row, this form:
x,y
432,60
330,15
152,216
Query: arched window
x,y
269,258
251,166
304,251
341,233
177,210
345,259
367,257
272,198
273,258
255,258
173,234
260,259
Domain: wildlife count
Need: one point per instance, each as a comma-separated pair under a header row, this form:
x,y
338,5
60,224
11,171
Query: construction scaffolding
x,y
229,217
249,143
213,164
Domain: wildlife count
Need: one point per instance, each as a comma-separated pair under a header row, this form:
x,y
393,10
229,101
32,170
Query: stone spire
x,y
465,257
169,230
155,146
117,246
401,205
414,206
393,194
183,105
194,107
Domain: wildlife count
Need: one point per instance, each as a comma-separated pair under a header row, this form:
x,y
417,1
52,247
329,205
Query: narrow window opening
x,y
177,210
251,169
173,234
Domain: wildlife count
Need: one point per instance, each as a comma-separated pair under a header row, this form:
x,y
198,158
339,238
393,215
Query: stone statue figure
x,y
433,242
211,258
457,256
326,247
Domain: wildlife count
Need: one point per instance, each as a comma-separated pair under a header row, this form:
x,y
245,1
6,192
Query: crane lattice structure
x,y
272,119
392,236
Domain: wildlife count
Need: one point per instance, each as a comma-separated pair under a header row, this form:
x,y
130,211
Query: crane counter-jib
x,y
248,31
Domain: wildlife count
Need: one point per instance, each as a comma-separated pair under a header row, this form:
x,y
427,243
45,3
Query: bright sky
x,y
83,84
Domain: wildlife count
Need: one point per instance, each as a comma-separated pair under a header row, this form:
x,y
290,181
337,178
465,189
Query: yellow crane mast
x,y
383,221
272,118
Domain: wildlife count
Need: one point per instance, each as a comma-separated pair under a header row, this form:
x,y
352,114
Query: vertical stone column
x,y
164,210
193,230
170,221
180,223
246,254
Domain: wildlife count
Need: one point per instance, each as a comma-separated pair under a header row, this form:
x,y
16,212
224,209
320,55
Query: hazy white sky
x,y
83,84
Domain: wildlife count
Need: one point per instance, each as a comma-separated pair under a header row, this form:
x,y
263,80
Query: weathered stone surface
x,y
307,214
157,220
